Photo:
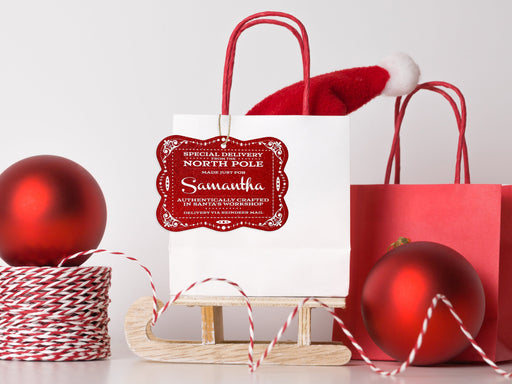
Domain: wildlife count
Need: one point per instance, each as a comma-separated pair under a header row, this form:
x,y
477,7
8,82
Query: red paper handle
x,y
462,150
255,19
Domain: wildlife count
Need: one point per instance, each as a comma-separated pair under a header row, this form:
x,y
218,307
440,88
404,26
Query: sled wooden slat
x,y
214,349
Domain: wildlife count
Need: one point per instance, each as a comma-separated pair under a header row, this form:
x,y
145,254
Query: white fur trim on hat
x,y
404,74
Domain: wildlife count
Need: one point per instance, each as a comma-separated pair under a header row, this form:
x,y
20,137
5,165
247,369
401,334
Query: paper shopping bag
x,y
263,201
474,219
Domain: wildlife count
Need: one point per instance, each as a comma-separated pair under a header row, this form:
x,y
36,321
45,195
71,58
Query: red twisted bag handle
x,y
460,116
255,19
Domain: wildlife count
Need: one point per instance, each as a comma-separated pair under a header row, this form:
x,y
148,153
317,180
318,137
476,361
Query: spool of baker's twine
x,y
60,314
54,314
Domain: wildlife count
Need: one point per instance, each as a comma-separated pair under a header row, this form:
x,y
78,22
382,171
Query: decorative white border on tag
x,y
166,212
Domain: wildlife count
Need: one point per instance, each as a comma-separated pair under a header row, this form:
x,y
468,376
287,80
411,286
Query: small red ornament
x,y
399,289
50,207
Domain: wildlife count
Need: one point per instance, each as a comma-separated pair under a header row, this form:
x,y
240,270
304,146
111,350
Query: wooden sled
x,y
214,349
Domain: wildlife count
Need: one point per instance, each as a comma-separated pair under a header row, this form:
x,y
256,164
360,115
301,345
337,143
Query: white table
x,y
126,368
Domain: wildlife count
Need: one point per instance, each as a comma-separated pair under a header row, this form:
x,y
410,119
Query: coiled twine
x,y
54,314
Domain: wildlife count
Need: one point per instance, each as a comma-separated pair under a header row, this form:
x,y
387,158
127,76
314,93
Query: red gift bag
x,y
474,219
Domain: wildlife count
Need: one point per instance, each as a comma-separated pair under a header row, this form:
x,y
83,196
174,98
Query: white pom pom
x,y
404,74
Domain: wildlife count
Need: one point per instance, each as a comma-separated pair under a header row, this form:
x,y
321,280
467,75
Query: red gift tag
x,y
205,183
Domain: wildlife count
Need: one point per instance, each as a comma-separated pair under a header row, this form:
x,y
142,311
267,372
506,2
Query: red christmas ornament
x,y
399,289
50,207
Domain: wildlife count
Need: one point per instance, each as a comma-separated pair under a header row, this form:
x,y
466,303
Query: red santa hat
x,y
342,92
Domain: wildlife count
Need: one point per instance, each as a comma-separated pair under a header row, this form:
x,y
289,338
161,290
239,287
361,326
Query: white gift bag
x,y
308,255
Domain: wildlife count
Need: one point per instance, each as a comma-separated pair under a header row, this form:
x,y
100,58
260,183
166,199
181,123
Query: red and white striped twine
x,y
20,303
54,314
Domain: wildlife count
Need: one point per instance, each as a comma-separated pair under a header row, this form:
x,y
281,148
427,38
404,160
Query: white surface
x,y
98,81
126,368
310,253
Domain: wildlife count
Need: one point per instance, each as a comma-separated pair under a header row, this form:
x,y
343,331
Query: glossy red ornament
x,y
50,207
399,289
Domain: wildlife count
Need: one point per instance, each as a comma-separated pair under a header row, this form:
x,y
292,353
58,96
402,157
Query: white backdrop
x,y
97,81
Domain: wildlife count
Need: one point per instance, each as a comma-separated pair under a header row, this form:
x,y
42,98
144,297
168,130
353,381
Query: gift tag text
x,y
204,183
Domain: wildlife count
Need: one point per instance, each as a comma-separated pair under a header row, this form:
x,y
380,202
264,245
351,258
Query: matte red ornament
x,y
399,289
50,207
